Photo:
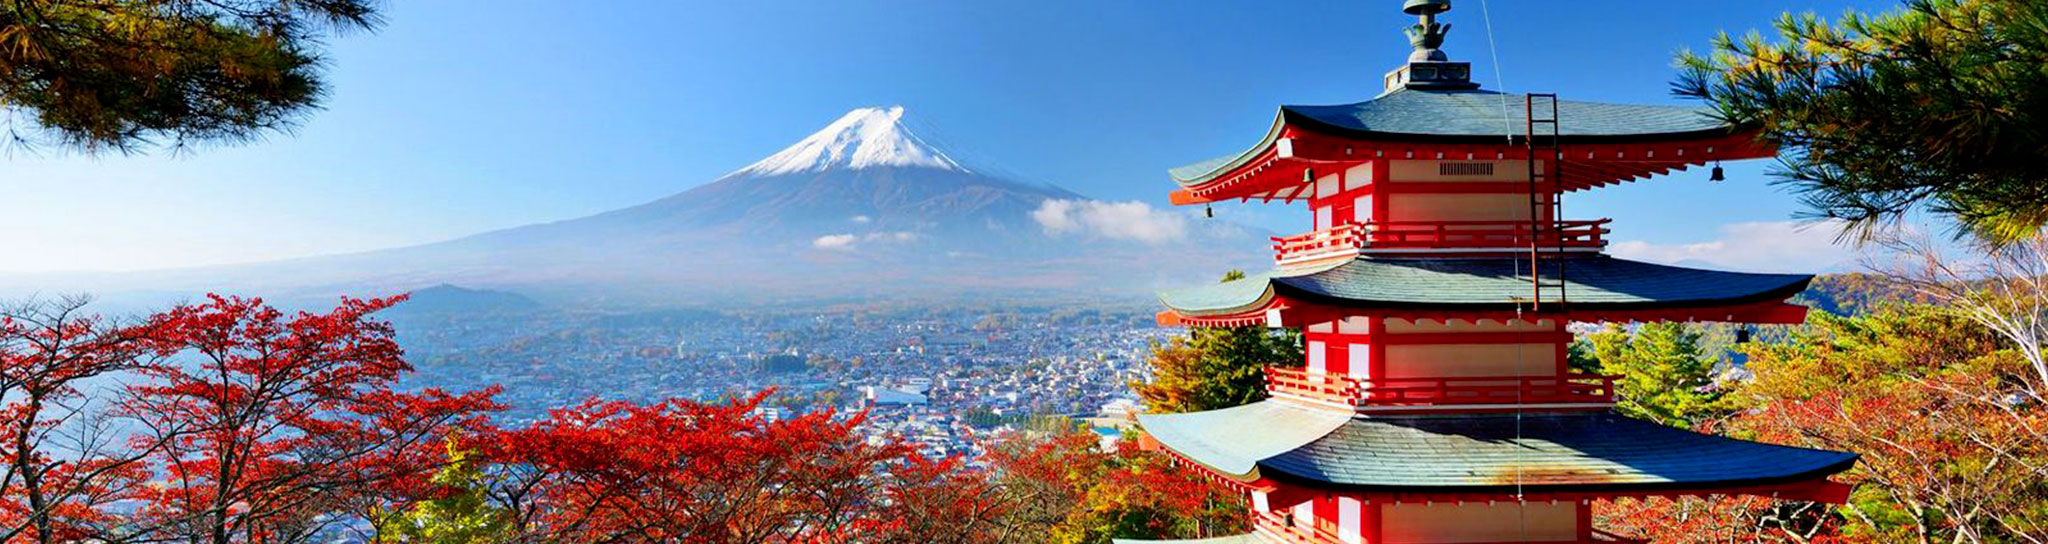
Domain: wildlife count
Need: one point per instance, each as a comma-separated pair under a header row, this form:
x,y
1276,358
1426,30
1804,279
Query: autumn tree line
x,y
230,421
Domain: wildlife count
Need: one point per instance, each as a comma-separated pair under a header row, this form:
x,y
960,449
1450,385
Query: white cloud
x,y
1764,246
1133,220
862,219
847,241
835,241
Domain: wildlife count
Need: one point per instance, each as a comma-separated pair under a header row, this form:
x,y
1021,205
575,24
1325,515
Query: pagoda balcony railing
x,y
1349,239
1386,392
1280,525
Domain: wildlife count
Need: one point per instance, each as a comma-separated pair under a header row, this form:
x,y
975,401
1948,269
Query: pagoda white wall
x,y
1432,170
1350,518
1338,347
1449,358
1345,348
1471,360
1358,177
1441,190
1342,197
1479,522
1434,207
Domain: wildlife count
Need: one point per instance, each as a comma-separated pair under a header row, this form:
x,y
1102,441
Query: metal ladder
x,y
1540,112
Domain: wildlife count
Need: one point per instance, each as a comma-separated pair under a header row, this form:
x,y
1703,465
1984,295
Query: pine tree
x,y
461,514
97,75
1216,367
1941,104
1665,376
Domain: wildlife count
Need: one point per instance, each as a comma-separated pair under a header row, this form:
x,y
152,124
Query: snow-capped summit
x,y
863,138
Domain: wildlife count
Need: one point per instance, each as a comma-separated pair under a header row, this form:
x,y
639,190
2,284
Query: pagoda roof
x,y
1593,282
1558,452
1257,431
1476,113
1471,116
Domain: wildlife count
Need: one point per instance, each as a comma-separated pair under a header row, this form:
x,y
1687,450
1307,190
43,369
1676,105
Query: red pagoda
x,y
1435,404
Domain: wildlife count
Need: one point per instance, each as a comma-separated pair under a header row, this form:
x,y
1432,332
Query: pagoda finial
x,y
1428,67
1427,35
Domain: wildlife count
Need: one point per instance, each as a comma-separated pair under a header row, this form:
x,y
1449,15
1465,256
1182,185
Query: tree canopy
x,y
121,75
1666,376
1216,367
1064,488
1953,449
1940,105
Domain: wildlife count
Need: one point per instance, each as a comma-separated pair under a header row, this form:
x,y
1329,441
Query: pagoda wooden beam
x,y
1298,191
1818,489
1602,171
1322,149
1466,187
1184,197
1506,337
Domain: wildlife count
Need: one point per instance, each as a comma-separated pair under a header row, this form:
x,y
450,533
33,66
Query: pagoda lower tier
x,y
1315,474
1435,402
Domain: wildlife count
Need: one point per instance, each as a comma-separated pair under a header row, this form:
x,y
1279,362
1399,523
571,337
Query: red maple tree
x,y
60,464
266,427
719,472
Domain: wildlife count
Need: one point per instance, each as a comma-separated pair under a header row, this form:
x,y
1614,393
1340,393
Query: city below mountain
x,y
861,209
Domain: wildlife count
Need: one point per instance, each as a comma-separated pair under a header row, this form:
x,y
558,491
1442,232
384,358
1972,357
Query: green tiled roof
x,y
1187,174
1556,452
1260,430
1493,115
1472,116
1595,282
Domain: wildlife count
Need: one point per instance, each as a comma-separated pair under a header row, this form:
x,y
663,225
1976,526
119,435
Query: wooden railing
x,y
1349,239
1382,392
1341,241
1282,526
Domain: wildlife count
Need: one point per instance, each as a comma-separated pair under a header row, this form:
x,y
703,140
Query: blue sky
x,y
463,116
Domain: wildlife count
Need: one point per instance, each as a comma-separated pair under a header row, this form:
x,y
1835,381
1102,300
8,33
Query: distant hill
x,y
445,299
1853,293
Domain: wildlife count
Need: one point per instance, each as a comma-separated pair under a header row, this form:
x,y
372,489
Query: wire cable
x,y
1508,124
1492,50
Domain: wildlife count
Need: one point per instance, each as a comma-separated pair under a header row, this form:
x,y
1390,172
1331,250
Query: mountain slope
x,y
863,208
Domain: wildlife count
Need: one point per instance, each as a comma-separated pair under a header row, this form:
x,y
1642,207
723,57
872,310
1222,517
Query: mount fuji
x,y
862,209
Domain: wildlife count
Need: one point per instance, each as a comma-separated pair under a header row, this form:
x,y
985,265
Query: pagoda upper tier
x,y
1604,143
